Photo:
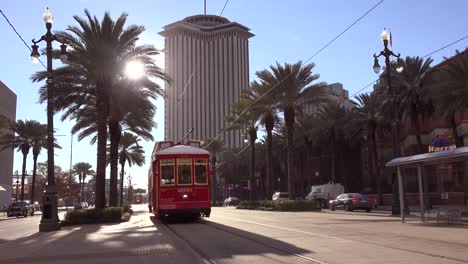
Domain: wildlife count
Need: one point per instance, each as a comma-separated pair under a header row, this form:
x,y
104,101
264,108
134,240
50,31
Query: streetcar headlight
x,y
184,196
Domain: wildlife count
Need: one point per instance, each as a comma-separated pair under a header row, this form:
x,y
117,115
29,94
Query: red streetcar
x,y
178,181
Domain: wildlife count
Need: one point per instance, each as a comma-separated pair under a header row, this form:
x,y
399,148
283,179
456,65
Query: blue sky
x,y
285,31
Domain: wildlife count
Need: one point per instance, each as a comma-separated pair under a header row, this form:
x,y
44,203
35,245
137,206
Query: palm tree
x,y
291,82
39,141
99,51
414,101
368,115
454,75
331,119
129,152
214,146
244,115
83,169
265,106
23,141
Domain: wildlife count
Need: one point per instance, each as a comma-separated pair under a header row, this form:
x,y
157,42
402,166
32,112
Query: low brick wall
x,y
454,198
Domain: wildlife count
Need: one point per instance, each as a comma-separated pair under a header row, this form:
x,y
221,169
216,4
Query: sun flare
x,y
134,70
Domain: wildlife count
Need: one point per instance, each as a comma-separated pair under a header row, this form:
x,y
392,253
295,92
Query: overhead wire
x,y
289,75
225,4
19,35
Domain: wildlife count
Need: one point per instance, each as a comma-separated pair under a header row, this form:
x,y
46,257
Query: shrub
x,y
127,208
91,216
282,205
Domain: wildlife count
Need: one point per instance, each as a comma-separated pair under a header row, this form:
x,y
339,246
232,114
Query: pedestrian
x,y
4,209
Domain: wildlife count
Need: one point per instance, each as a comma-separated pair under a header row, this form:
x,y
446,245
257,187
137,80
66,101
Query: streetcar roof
x,y
182,149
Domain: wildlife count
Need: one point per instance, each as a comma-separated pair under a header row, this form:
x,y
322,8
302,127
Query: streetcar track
x,y
197,251
207,259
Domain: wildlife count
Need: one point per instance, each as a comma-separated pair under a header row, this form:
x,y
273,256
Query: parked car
x,y
351,201
85,205
78,206
20,208
231,201
280,196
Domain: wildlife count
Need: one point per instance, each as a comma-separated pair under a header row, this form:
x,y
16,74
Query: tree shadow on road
x,y
93,243
218,241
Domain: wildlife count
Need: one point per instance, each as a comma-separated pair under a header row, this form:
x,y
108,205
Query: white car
x,y
280,196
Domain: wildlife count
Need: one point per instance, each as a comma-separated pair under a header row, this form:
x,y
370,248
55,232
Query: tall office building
x,y
8,110
207,59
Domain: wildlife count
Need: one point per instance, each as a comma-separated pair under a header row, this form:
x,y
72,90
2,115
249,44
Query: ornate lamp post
x,y
50,220
387,53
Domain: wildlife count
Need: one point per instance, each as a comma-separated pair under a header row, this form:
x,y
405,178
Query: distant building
x,y
207,59
335,93
8,110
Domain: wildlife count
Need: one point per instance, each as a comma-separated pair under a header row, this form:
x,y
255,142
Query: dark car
x,y
351,201
20,208
231,201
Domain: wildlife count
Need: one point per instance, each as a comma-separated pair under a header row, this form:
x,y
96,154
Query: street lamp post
x,y
50,220
387,53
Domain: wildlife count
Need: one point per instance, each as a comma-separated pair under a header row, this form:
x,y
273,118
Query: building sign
x,y
441,143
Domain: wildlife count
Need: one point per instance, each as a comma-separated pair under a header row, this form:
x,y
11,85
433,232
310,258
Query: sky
x,y
285,31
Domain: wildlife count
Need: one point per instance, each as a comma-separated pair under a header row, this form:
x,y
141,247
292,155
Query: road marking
x,y
289,229
409,251
267,245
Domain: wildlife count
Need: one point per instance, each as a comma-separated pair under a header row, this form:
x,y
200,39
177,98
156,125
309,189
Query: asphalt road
x,y
12,228
244,236
239,236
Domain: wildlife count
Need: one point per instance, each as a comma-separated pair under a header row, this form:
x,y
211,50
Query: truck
x,y
325,192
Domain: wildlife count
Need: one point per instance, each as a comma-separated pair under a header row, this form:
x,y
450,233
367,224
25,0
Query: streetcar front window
x,y
201,169
184,171
167,172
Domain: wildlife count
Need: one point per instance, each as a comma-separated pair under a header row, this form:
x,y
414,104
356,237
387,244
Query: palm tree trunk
x,y
115,133
122,165
33,187
253,189
375,162
333,156
289,121
417,128
269,168
79,186
370,153
82,188
23,176
213,180
102,113
453,125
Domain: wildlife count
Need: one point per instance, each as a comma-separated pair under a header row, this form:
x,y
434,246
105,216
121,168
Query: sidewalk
x,y
138,240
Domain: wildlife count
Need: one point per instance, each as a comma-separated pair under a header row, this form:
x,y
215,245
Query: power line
x,y
446,46
225,4
19,35
289,75
344,31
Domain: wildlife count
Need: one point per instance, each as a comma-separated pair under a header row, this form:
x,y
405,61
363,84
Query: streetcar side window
x,y
184,171
201,171
167,172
